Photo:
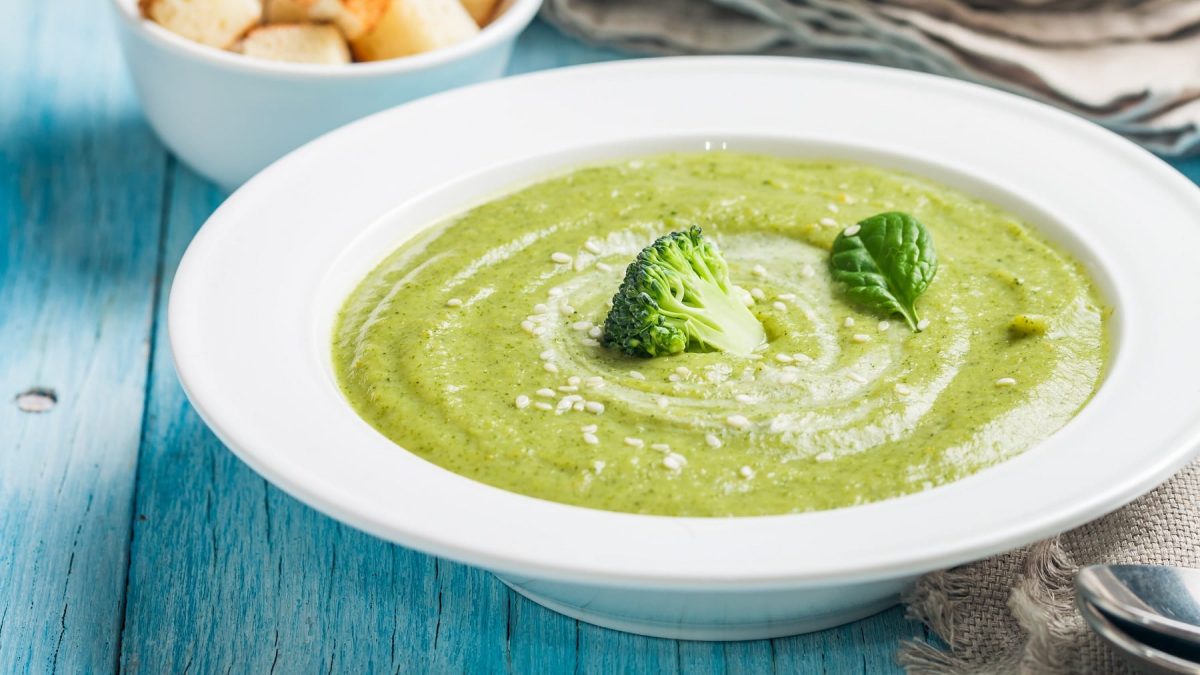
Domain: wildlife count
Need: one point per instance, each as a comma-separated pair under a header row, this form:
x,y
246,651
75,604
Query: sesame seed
x,y
591,439
594,407
522,402
561,258
673,377
542,405
923,324
663,402
746,472
744,398
595,332
589,428
538,330
833,208
590,342
547,392
581,325
567,309
825,457
903,389
807,271
848,322
856,377
712,440
574,379
851,231
787,297
527,326
661,447
802,358
788,378
598,466
683,371
784,358
757,293
828,222
759,271
595,382
603,267
884,325
454,302
554,291
860,337
568,389
634,442
1005,382
550,367
674,462
738,421
636,375
591,246
540,308
779,306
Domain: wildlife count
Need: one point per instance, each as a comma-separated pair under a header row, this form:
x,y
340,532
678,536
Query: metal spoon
x,y
1141,656
1165,600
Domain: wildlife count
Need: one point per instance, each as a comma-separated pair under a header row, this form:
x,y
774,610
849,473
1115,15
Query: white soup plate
x,y
254,301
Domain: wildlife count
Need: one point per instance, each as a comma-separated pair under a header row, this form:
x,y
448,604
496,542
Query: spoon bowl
x,y
1141,656
1162,599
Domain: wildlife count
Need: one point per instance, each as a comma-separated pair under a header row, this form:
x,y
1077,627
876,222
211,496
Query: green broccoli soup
x,y
723,334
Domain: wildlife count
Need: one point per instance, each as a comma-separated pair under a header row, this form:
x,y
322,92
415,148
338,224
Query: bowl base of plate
x,y
743,611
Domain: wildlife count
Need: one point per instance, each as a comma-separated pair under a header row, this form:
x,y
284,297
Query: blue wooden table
x,y
130,539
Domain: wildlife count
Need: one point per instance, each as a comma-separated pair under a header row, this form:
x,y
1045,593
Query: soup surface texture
x,y
475,345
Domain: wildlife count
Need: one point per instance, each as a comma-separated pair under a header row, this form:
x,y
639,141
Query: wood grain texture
x,y
223,573
80,197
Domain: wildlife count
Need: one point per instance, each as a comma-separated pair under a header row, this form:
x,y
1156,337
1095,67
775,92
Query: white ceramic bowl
x,y
228,116
253,304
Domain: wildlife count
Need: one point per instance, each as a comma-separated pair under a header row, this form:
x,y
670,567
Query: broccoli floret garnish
x,y
677,297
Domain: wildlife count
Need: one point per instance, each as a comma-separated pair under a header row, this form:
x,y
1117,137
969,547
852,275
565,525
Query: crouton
x,y
297,42
414,26
481,10
354,17
217,23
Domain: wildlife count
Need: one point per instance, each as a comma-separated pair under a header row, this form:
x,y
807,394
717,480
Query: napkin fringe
x,y
1042,602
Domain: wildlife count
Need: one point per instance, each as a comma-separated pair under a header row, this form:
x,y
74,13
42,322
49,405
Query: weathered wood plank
x,y
228,572
729,658
603,651
81,182
867,646
540,641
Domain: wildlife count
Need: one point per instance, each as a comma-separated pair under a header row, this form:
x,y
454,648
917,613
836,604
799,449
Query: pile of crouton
x,y
323,31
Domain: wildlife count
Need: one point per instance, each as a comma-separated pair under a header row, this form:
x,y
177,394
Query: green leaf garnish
x,y
884,263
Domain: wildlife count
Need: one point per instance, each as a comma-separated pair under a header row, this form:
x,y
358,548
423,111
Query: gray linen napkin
x,y
1015,613
1130,65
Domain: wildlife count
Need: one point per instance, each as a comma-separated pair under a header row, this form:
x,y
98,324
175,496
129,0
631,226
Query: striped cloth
x,y
1130,65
